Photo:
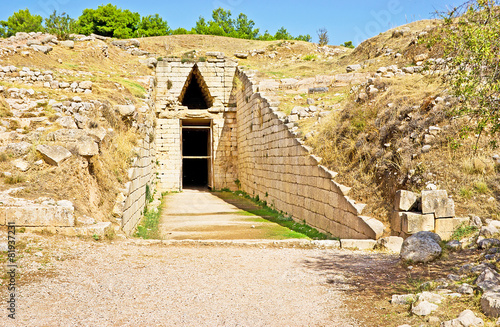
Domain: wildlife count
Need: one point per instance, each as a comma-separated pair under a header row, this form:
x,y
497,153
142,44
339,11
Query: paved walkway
x,y
201,215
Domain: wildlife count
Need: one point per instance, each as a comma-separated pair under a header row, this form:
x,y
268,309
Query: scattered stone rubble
x,y
39,78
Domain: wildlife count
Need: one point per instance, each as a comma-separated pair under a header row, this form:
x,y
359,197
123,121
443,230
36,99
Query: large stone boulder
x,y
421,247
489,280
490,304
68,44
125,110
465,318
53,154
424,308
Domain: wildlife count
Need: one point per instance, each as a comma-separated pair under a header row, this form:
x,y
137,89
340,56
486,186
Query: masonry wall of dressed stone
x,y
169,156
273,164
141,174
172,74
226,151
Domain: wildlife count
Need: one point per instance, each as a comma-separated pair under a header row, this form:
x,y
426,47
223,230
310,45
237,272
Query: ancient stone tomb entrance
x,y
197,153
194,142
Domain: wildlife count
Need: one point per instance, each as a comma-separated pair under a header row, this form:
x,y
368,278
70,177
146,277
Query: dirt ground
x,y
128,282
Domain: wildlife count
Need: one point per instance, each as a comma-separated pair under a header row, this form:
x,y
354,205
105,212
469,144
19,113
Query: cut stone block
x,y
444,227
358,244
396,218
391,243
39,215
413,222
99,229
53,154
405,200
375,228
437,202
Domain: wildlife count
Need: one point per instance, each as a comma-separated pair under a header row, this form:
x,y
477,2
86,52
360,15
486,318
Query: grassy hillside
x,y
375,143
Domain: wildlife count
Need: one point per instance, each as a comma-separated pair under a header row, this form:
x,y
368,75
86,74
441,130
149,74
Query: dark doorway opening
x,y
196,156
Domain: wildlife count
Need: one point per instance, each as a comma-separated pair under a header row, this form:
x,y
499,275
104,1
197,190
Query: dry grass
x,y
377,150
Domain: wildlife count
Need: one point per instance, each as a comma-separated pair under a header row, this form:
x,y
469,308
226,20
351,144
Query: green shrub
x,y
310,57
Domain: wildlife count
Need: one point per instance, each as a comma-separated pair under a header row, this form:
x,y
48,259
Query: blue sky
x,y
353,20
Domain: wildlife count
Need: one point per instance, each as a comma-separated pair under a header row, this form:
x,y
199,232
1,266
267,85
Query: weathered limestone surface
x,y
142,173
252,149
273,164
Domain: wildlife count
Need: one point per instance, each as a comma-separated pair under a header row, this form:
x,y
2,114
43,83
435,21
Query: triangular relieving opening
x,y
195,93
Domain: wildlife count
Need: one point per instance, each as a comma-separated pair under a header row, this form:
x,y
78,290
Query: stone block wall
x,y
431,211
172,74
225,151
141,174
273,164
169,156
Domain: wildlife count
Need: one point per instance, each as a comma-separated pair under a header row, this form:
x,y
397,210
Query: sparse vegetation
x,y
270,214
469,37
463,231
148,228
323,36
310,57
14,179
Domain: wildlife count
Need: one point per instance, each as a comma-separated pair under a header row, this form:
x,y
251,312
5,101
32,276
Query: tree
x,y
306,38
244,28
266,36
282,34
110,21
152,26
181,30
59,25
348,44
323,36
22,21
470,41
222,18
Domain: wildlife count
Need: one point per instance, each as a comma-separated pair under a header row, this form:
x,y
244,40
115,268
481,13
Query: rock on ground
x,y
53,154
490,304
466,318
421,247
424,308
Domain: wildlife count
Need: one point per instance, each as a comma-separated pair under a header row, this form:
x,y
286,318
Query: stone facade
x,y
141,174
273,164
217,83
252,148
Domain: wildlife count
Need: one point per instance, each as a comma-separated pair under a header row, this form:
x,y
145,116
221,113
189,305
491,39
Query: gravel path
x,y
135,283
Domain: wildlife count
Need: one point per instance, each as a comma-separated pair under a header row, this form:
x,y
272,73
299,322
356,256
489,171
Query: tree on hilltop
x,y
59,25
21,21
109,21
152,26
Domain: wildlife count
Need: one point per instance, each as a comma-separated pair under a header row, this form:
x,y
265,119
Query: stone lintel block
x,y
39,215
396,218
438,203
405,200
413,222
444,227
391,244
358,244
372,228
